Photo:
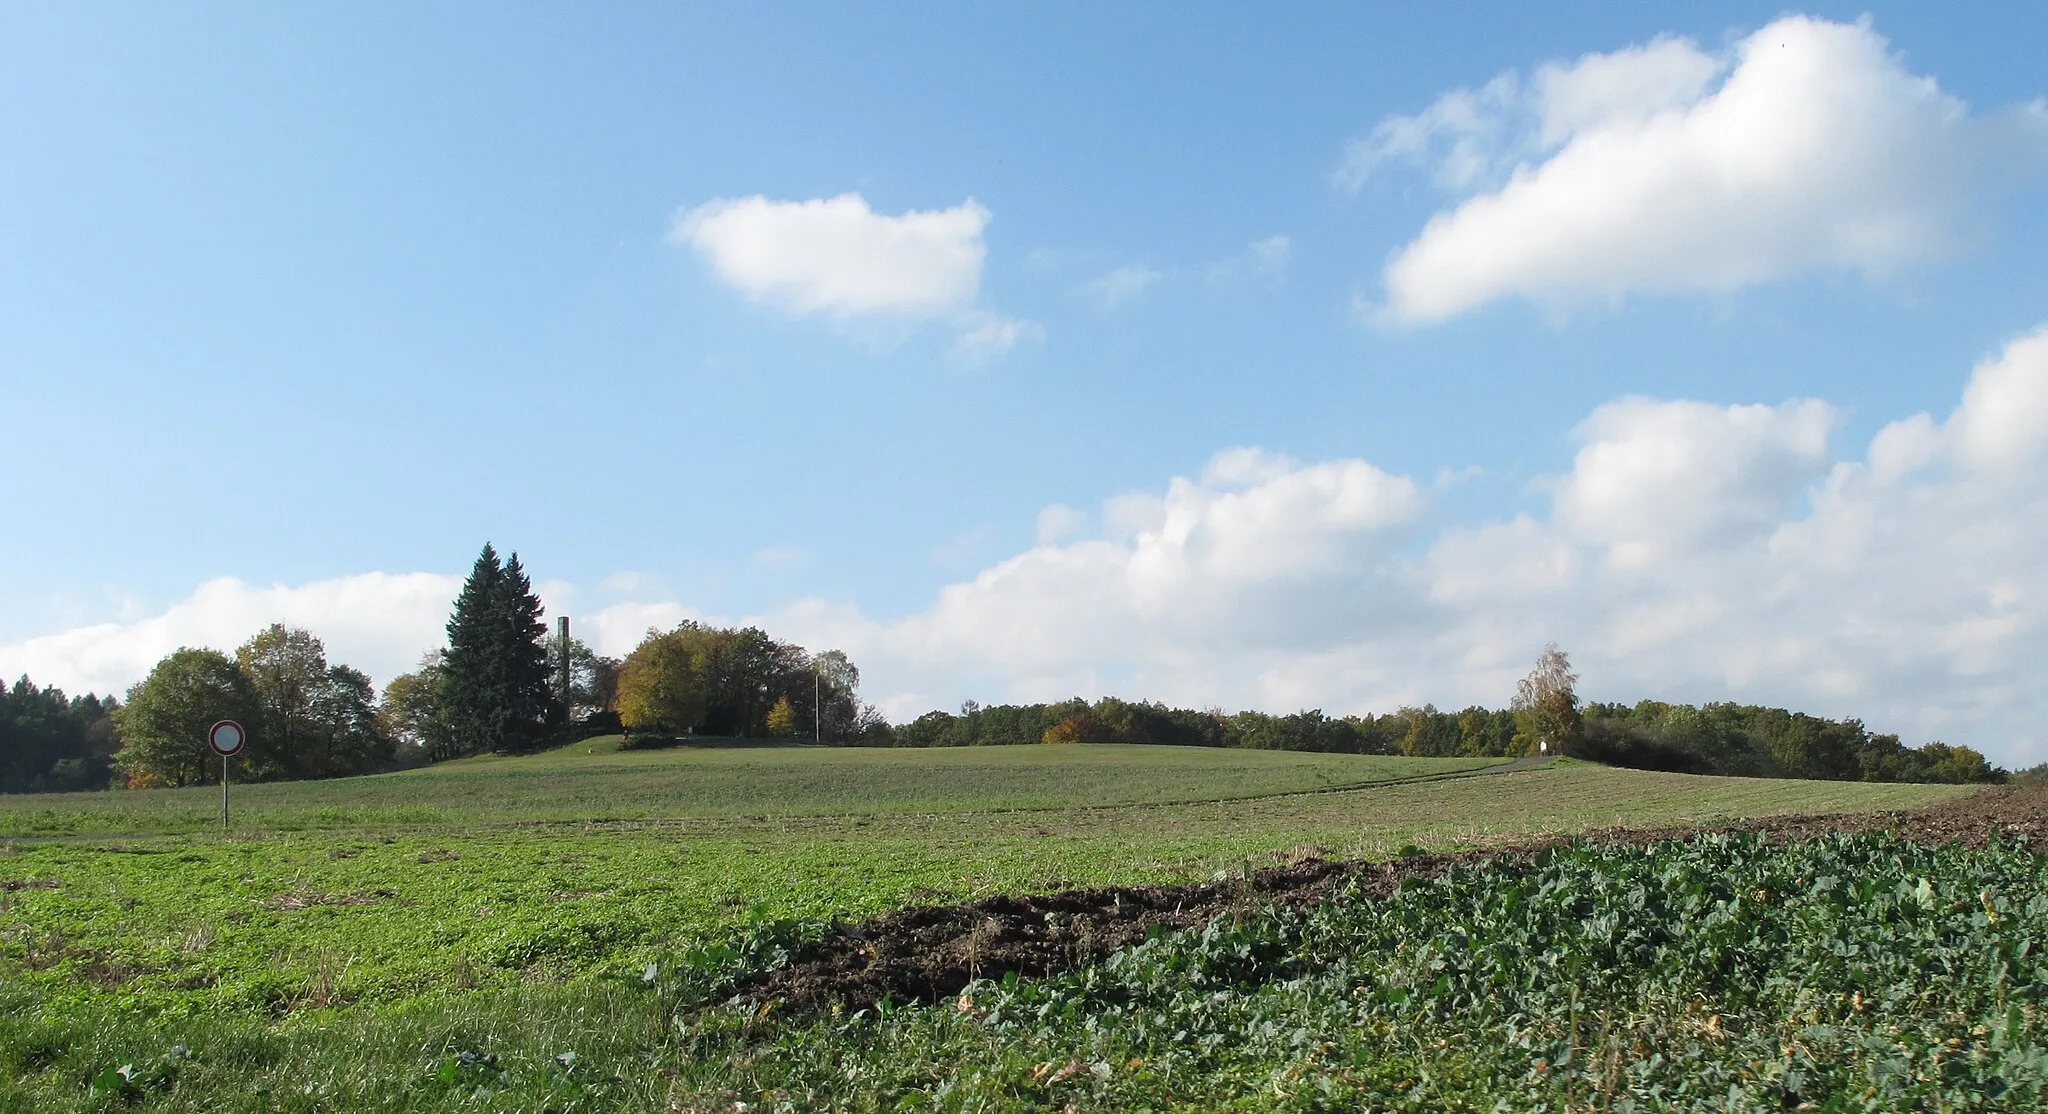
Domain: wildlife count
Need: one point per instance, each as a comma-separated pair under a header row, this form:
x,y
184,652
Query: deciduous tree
x,y
320,719
658,689
163,725
720,681
782,718
415,715
1546,709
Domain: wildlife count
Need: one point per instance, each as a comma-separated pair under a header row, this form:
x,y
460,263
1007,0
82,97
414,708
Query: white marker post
x,y
226,739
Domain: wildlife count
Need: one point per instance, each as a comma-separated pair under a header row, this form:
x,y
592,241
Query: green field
x,y
406,915
597,781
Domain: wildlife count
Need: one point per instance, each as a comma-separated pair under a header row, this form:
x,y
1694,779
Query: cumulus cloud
x,y
836,255
1179,576
1058,521
1691,551
1665,169
1661,478
1459,138
839,257
378,622
614,630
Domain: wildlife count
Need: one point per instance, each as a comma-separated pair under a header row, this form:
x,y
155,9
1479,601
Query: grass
x,y
597,781
490,896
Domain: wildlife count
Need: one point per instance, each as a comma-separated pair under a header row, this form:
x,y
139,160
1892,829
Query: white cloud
x,y
1181,576
1691,551
992,338
838,256
378,622
964,547
1663,169
1627,87
1118,286
1461,135
617,629
1244,466
2002,425
1057,521
1658,478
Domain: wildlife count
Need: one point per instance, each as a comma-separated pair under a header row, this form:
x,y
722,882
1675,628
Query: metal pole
x,y
567,716
223,792
817,706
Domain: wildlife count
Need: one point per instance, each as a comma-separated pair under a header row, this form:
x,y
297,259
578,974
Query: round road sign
x,y
226,738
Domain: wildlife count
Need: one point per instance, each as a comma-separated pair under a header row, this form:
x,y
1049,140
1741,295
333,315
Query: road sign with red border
x,y
226,738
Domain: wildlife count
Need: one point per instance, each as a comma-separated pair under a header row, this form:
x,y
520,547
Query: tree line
x,y
52,743
1734,739
501,685
1544,717
490,689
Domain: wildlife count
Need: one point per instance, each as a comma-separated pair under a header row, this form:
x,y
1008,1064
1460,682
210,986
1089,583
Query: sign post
x,y
226,738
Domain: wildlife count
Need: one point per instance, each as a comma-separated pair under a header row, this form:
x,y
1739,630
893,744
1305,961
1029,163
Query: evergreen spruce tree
x,y
531,700
495,686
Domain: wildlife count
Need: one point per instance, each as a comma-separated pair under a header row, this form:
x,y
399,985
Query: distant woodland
x,y
1737,739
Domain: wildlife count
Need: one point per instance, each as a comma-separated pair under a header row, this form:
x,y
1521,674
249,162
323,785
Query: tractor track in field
x,y
930,953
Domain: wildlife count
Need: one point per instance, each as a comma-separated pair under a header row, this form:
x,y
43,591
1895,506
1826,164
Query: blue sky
x,y
291,297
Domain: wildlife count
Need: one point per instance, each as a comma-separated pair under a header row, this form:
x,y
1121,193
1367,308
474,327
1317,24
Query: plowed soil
x,y
931,952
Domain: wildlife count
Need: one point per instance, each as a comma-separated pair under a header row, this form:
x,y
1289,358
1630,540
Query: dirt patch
x,y
87,964
16,885
307,899
931,952
108,974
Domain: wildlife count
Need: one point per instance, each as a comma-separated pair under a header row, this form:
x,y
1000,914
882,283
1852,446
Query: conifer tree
x,y
495,685
532,700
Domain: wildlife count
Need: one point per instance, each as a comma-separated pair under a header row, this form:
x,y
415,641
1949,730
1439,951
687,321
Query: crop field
x,y
565,931
598,781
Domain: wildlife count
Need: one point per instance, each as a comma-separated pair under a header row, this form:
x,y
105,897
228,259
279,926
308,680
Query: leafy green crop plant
x,y
1720,973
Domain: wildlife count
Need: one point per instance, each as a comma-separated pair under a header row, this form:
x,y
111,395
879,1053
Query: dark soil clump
x,y
931,952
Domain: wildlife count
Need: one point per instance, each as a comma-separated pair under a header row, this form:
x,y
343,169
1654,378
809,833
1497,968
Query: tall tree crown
x,y
495,680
